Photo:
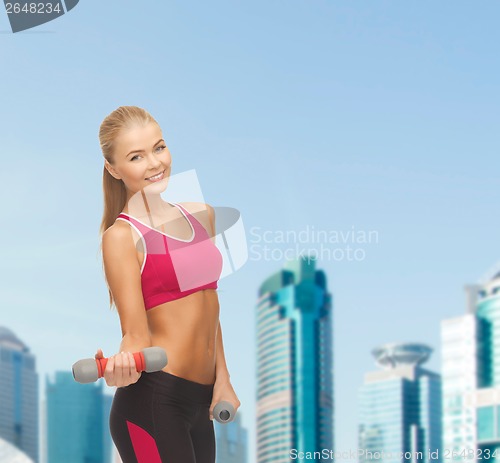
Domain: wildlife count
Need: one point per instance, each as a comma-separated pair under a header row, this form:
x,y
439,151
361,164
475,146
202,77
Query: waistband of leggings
x,y
168,383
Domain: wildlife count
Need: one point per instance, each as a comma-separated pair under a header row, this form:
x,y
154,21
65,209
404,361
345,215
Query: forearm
x,y
221,371
134,344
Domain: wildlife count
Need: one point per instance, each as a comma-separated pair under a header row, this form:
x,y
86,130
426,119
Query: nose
x,y
154,163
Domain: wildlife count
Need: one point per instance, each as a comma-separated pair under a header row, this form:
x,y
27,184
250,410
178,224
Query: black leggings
x,y
163,418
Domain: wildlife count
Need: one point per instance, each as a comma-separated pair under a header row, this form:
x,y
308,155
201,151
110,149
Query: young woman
x,y
161,266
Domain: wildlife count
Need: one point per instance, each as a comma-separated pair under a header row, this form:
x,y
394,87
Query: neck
x,y
141,204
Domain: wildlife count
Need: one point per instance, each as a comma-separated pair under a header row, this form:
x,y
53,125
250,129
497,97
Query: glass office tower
x,y
459,372
400,407
471,376
231,441
18,394
77,421
294,363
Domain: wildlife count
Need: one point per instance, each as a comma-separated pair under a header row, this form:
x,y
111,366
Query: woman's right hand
x,y
120,369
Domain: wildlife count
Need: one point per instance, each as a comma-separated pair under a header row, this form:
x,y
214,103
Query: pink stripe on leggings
x,y
144,445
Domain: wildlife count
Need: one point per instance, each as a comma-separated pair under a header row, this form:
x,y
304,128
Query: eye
x,y
161,148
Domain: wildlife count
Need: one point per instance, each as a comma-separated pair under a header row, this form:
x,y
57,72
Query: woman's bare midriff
x,y
187,329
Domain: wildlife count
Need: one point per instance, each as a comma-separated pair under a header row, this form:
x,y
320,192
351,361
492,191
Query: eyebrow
x,y
142,151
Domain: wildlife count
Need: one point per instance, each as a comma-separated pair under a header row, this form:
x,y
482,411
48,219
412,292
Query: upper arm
x,y
123,276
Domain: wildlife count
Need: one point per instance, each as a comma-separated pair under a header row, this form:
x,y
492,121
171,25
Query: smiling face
x,y
140,153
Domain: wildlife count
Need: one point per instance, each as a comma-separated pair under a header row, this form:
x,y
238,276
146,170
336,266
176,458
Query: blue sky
x,y
369,115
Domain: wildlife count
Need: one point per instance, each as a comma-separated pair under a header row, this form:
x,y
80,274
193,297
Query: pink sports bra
x,y
173,268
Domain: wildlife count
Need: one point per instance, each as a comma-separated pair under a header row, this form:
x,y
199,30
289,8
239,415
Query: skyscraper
x,y
108,446
18,394
232,441
77,418
471,376
459,371
294,363
400,407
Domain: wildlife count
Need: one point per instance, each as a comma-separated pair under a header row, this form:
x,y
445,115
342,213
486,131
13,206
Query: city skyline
x,y
278,292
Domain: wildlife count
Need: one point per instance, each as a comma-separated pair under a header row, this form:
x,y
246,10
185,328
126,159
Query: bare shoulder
x,y
120,235
119,231
204,213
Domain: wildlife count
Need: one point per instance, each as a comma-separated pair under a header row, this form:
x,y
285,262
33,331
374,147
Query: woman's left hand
x,y
223,390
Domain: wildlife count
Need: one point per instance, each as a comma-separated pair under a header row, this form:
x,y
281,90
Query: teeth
x,y
155,177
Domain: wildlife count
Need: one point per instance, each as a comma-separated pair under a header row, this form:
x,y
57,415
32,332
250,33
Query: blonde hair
x,y
115,193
